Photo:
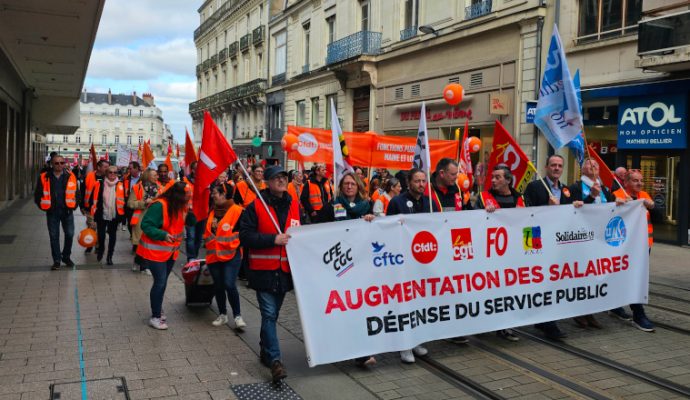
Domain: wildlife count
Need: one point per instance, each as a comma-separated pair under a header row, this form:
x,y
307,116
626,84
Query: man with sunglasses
x,y
56,193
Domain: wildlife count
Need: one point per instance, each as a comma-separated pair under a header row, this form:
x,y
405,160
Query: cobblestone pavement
x,y
40,328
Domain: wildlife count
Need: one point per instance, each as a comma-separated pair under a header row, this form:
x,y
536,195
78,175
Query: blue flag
x,y
577,145
557,115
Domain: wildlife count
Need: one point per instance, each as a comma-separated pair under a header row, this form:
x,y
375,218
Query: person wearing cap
x,y
269,270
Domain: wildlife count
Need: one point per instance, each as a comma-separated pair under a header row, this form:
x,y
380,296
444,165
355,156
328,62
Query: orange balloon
x,y
88,238
453,93
475,144
289,142
463,182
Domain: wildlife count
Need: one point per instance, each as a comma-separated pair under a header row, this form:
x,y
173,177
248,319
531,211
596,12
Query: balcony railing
x,y
206,65
258,35
357,44
214,60
220,13
408,33
232,49
223,55
244,42
199,69
255,87
278,79
664,34
476,10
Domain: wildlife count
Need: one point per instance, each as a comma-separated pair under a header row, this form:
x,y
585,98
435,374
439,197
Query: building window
x,y
281,53
364,7
411,13
77,139
65,139
129,112
330,21
605,19
151,126
301,112
330,97
104,139
117,111
276,119
141,139
141,113
305,46
315,112
117,139
90,138
129,139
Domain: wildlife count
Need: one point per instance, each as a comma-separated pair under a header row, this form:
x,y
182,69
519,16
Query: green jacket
x,y
152,222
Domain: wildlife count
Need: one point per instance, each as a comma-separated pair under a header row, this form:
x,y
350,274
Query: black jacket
x,y
275,281
514,194
38,191
404,203
576,194
447,199
536,194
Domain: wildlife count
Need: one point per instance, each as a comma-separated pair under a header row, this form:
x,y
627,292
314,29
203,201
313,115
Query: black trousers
x,y
103,226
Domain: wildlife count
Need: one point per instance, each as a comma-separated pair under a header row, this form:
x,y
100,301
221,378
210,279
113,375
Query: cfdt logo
x,y
339,259
531,239
424,247
615,232
384,258
462,244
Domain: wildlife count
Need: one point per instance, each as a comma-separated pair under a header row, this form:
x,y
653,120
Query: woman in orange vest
x,y
107,210
223,255
392,189
159,247
245,195
295,188
141,195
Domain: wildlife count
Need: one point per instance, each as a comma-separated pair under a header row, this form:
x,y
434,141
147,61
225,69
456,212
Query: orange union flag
x,y
506,151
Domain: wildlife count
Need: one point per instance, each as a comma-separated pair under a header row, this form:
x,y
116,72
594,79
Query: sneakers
x,y
68,262
459,340
643,323
146,271
420,351
278,371
158,323
135,267
221,320
508,335
620,314
407,357
551,331
55,266
239,322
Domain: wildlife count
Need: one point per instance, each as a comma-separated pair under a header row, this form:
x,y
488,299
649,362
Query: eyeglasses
x,y
111,172
59,163
259,171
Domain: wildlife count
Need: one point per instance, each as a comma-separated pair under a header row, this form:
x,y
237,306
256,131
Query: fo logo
x,y
615,232
531,238
424,247
462,244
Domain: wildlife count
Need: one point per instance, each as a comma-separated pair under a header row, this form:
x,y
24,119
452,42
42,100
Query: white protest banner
x,y
366,288
125,155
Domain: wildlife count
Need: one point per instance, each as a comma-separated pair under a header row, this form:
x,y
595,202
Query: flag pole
x,y
258,194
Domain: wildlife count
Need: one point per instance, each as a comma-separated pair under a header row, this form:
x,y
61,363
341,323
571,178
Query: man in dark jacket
x,y
269,271
446,191
318,209
57,194
413,201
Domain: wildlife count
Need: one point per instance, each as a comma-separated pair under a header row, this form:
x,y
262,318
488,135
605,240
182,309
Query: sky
x,y
148,46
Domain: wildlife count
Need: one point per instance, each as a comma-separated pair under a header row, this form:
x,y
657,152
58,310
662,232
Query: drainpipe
x,y
535,141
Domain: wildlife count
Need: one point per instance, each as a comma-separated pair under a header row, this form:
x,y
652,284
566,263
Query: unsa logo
x,y
615,232
424,247
638,115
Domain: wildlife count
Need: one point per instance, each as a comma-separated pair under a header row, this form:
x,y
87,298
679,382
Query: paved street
x,y
42,328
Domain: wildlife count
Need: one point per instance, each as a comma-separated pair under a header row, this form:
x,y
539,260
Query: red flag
x,y
106,157
169,148
168,162
507,152
177,150
605,173
465,162
189,151
146,156
93,157
215,156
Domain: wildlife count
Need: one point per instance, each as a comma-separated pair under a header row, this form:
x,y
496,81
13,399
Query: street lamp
x,y
428,29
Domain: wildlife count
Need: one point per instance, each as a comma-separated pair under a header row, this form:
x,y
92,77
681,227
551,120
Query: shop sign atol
x,y
652,122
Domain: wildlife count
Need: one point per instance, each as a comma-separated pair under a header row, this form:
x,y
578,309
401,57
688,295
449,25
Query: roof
x,y
118,99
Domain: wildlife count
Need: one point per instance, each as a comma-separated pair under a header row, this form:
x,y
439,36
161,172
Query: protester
x,y
194,229
632,184
480,172
164,177
401,176
222,252
107,209
392,188
56,193
537,195
89,183
142,195
620,174
295,188
244,194
501,195
317,196
446,194
163,227
129,180
374,190
269,269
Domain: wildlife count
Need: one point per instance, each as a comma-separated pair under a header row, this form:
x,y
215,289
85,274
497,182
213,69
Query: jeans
x,y
111,227
269,305
160,272
55,218
194,235
224,279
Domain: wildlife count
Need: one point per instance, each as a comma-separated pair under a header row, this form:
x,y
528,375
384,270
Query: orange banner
x,y
367,149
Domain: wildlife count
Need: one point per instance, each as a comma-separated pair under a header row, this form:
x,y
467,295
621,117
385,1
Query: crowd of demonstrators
x,y
391,188
317,196
107,210
141,196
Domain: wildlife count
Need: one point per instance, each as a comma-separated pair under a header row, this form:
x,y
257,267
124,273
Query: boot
x,y
109,260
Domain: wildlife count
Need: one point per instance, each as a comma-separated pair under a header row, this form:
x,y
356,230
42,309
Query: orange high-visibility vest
x,y
222,246
385,200
275,257
248,195
620,193
119,198
167,186
189,188
315,195
488,198
70,191
295,193
160,250
138,190
89,182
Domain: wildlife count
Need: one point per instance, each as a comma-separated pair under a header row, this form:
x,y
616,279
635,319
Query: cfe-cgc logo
x,y
615,232
531,239
581,235
462,244
339,258
424,247
384,258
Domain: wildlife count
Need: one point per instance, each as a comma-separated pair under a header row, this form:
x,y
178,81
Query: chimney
x,y
148,98
110,97
134,98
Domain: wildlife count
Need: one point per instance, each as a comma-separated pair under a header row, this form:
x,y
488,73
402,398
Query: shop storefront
x,y
643,126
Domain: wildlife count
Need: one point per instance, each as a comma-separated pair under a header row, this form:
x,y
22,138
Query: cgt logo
x,y
462,244
424,247
384,258
340,260
531,239
615,232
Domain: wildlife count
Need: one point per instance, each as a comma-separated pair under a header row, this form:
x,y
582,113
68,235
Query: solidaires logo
x,y
616,232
